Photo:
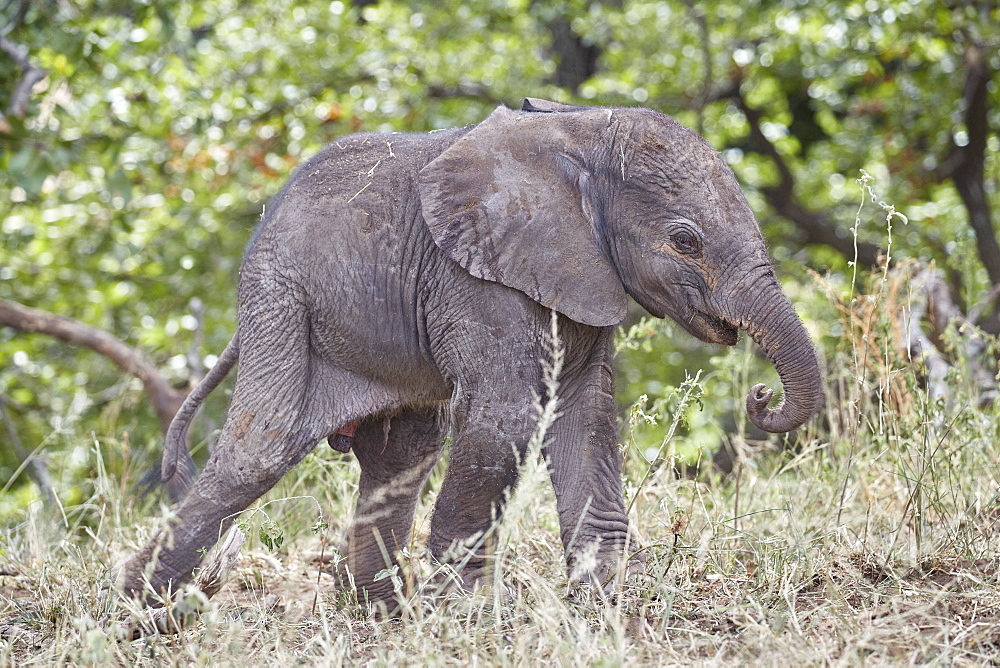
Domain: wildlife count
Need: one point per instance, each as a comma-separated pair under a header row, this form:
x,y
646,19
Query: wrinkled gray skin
x,y
406,282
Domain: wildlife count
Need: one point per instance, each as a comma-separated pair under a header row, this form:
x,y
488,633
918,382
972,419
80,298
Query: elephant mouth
x,y
710,329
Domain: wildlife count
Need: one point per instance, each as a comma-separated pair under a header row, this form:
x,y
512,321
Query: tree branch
x,y
166,400
35,467
700,17
817,228
18,20
30,75
466,89
576,60
197,337
932,304
965,165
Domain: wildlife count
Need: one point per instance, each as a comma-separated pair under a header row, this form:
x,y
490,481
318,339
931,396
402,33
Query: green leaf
x,y
271,535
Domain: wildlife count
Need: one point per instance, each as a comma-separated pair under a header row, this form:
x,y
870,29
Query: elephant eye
x,y
685,242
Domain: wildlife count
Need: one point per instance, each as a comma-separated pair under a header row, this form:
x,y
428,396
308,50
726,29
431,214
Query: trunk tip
x,y
780,419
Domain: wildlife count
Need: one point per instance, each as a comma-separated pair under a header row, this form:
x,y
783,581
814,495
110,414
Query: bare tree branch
x,y
816,227
195,366
699,15
166,400
35,467
30,75
18,20
466,89
576,59
923,327
976,312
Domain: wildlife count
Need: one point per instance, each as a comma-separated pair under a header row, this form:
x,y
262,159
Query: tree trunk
x,y
968,172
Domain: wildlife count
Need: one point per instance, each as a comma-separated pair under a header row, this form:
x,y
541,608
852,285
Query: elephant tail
x,y
178,469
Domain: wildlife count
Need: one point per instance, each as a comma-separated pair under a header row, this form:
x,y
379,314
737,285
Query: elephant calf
x,y
405,284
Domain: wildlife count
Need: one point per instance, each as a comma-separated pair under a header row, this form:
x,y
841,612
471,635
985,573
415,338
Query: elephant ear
x,y
508,203
548,107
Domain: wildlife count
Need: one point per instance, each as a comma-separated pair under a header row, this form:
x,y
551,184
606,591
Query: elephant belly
x,y
369,348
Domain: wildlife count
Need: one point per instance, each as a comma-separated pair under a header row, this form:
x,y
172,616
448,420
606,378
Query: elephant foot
x,y
465,589
450,581
134,579
168,605
608,572
389,594
382,593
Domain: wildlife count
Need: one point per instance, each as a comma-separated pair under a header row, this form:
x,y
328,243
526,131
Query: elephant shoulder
x,y
357,193
361,169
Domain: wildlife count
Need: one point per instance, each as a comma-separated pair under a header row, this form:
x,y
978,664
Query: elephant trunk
x,y
774,326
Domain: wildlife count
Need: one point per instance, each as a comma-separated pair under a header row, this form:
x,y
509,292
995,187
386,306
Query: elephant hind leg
x,y
227,486
396,455
271,425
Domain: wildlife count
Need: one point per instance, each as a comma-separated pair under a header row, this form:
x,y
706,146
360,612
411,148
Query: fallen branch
x,y
923,326
182,614
918,344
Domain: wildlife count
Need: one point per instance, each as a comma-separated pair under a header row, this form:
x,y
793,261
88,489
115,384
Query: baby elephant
x,y
405,285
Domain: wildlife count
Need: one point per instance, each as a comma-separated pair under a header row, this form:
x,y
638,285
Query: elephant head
x,y
577,207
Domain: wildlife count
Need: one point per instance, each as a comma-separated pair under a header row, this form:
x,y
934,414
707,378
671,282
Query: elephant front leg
x,y
481,473
396,455
585,464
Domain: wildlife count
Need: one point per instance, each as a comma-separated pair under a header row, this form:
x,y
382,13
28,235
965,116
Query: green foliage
x,y
271,535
